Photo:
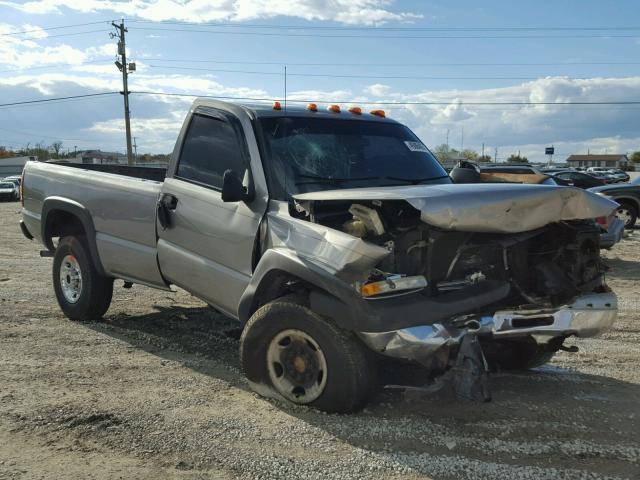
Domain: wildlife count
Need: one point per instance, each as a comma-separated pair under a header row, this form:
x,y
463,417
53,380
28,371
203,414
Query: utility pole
x,y
135,150
495,155
125,69
285,87
462,141
482,149
447,140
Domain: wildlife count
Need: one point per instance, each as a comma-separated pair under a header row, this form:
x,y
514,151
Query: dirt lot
x,y
155,391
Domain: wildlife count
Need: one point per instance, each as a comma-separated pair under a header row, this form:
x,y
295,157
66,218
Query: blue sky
x,y
601,65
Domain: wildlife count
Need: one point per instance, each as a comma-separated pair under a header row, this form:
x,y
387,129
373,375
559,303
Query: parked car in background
x,y
577,179
628,196
611,175
604,176
13,179
619,175
8,192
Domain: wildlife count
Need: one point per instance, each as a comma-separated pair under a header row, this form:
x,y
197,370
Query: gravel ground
x,y
155,391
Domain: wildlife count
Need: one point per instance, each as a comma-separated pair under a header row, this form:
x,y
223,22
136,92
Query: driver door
x,y
206,244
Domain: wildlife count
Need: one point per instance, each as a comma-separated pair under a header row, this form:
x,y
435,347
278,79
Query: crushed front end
x,y
455,300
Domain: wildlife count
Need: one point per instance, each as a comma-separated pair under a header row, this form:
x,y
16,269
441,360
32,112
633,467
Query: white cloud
x,y
452,113
353,12
377,90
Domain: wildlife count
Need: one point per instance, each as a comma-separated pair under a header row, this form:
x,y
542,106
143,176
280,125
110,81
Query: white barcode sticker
x,y
416,146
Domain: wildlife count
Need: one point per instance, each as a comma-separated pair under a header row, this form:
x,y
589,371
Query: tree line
x,y
444,153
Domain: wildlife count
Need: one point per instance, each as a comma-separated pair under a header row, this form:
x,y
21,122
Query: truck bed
x,y
121,202
147,173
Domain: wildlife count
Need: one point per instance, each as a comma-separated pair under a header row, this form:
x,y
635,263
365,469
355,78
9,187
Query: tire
x,y
86,299
628,213
516,354
293,369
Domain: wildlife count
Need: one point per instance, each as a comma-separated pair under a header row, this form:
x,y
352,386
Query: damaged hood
x,y
497,208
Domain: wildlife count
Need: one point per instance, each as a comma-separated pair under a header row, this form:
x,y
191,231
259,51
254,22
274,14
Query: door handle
x,y
166,204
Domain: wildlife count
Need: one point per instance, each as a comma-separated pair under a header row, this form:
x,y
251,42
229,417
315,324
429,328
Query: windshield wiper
x,y
415,181
332,180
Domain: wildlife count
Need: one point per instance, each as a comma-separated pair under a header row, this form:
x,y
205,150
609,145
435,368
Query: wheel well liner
x,y
62,216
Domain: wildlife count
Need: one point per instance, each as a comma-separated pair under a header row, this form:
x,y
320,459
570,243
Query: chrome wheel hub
x,y
297,366
70,279
623,214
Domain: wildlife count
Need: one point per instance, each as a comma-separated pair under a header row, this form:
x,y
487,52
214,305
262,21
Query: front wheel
x,y
83,294
628,213
305,359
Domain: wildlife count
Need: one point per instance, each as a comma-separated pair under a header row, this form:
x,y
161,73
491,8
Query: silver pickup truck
x,y
336,239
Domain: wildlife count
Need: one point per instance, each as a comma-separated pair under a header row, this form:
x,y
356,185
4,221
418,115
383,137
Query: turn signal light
x,y
277,106
393,284
312,107
355,110
334,108
378,113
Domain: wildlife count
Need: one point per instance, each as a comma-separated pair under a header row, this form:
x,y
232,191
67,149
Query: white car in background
x,y
8,191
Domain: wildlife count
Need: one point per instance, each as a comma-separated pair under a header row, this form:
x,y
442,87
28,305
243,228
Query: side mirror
x,y
233,190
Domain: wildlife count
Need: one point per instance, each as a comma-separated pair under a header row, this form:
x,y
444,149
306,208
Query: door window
x,y
212,145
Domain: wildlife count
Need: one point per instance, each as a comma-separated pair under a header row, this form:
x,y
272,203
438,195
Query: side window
x,y
211,147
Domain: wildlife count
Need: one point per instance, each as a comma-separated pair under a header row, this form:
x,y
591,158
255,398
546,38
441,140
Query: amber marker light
x,y
312,107
277,106
334,108
378,113
355,110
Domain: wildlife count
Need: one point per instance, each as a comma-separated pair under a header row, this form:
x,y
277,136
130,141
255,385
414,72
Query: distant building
x,y
613,161
13,166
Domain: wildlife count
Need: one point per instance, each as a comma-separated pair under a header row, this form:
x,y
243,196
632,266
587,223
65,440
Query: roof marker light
x,y
312,107
334,108
355,110
378,113
277,106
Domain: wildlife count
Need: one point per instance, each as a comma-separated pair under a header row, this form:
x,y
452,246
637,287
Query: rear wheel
x,y
628,213
83,294
305,359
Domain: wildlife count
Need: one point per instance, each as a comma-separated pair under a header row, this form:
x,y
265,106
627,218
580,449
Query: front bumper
x,y
589,315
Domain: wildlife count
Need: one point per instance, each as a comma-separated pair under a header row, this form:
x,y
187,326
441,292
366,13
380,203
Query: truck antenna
x,y
285,87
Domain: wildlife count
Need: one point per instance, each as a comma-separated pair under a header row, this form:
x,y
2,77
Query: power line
x,y
356,64
56,99
38,30
44,67
369,28
70,34
381,37
294,100
435,103
333,75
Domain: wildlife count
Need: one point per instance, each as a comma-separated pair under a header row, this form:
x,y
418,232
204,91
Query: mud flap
x,y
471,373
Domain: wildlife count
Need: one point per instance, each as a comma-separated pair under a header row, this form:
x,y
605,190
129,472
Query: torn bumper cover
x,y
589,315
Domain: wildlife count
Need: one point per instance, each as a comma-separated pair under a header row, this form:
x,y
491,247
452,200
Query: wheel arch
x,y
63,216
629,199
280,272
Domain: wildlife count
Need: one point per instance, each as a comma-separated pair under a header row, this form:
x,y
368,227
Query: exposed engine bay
x,y
548,266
